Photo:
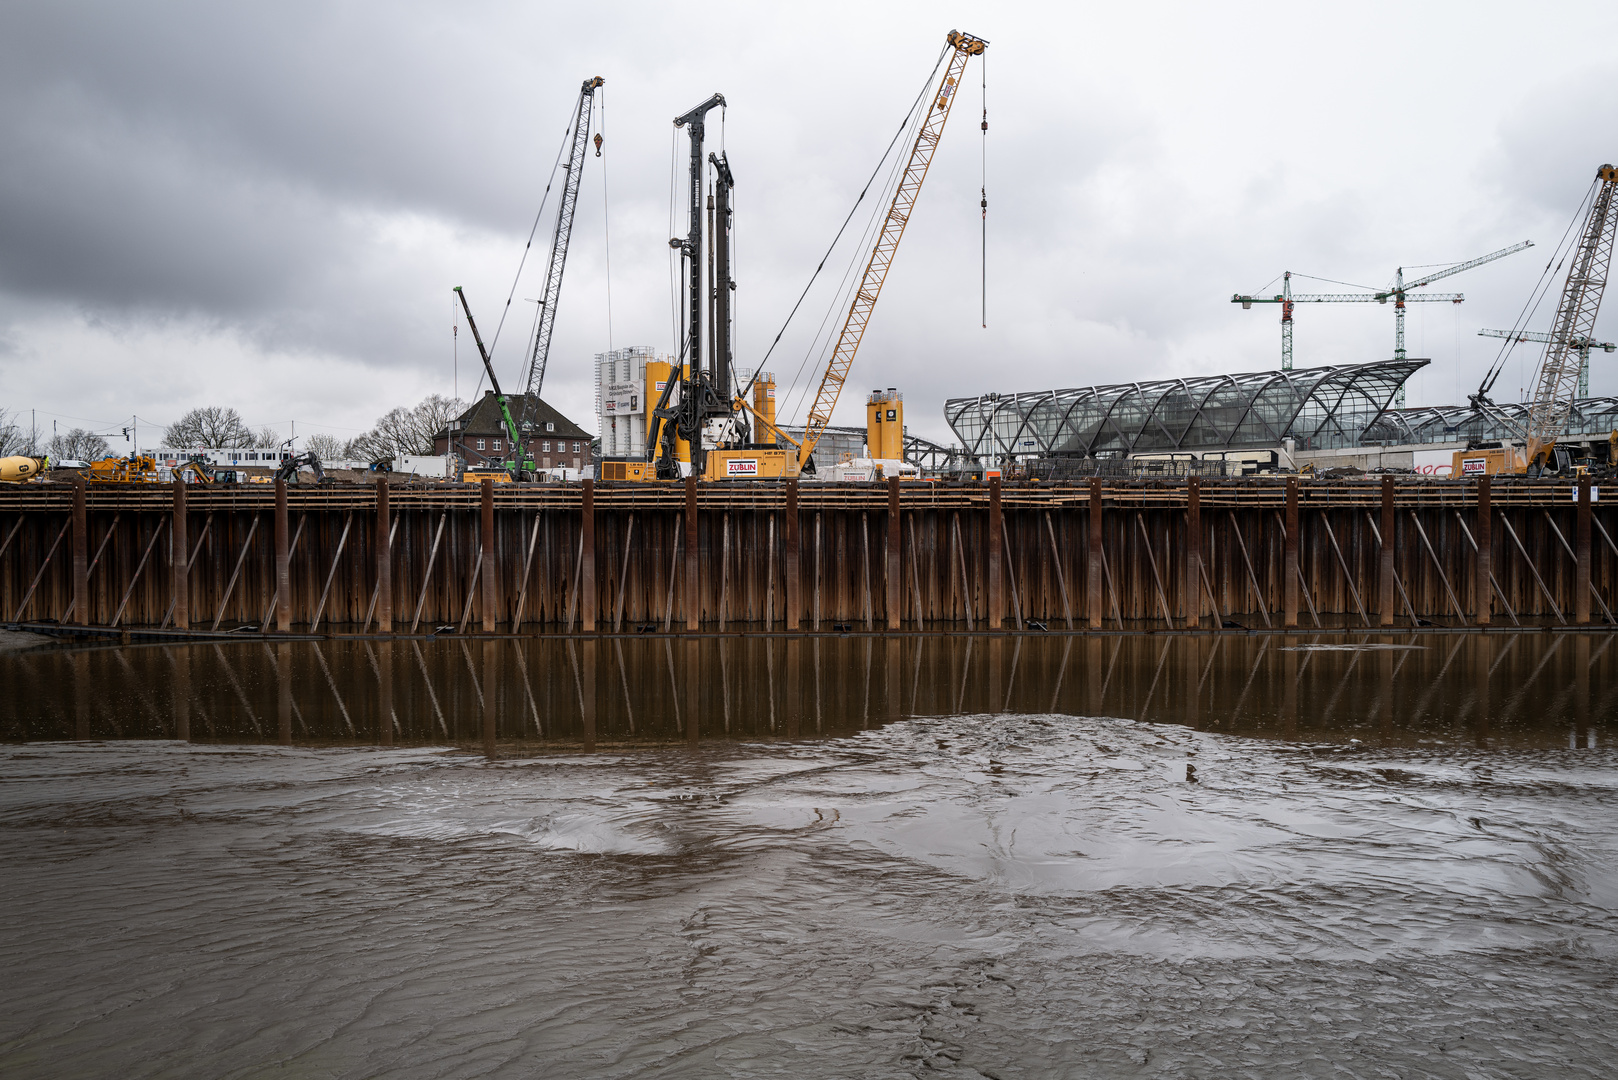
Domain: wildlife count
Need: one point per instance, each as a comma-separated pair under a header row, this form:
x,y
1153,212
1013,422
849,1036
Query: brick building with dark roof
x,y
479,435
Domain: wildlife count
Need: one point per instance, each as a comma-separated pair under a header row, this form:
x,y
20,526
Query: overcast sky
x,y
267,206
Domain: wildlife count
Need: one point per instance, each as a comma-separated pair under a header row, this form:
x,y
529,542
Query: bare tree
x,y
267,436
407,431
212,427
79,445
14,437
325,447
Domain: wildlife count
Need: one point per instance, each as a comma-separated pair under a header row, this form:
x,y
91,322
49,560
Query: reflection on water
x,y
1020,879
525,695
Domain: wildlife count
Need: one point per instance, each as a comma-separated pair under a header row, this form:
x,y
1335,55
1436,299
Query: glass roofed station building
x,y
1235,424
1287,412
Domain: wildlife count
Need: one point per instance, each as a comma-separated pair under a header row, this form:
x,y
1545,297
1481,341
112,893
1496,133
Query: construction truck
x,y
1566,356
699,421
20,469
134,469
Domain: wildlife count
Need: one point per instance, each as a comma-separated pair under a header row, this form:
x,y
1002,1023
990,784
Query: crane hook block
x,y
599,141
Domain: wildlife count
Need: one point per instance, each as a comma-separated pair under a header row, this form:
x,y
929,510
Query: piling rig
x,y
700,415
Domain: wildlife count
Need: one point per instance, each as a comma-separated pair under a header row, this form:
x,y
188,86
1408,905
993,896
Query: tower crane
x,y
1580,345
1400,292
560,235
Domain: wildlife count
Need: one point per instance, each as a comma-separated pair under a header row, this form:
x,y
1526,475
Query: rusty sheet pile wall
x,y
788,557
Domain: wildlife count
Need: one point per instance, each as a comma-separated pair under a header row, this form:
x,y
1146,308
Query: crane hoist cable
x,y
983,71
533,230
904,125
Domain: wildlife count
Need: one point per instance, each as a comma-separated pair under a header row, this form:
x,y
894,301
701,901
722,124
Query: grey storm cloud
x,y
306,181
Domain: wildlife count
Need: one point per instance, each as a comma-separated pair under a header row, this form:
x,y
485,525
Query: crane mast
x,y
887,243
560,236
1556,382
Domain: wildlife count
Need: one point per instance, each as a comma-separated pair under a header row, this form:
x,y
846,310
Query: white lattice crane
x,y
1400,292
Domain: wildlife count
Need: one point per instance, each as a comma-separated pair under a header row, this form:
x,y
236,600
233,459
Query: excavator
x,y
1572,335
699,423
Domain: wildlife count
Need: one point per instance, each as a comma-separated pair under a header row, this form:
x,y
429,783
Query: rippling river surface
x,y
1344,856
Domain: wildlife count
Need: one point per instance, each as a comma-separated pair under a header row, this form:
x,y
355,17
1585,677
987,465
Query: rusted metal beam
x,y
1532,569
235,573
693,571
282,597
1484,545
1582,596
384,560
1492,581
1294,578
1094,557
491,580
81,554
996,601
794,600
895,572
527,576
1151,560
966,583
336,561
383,600
94,562
1343,563
185,570
1252,578
180,566
623,578
1386,573
1193,553
29,595
1291,575
1011,575
1581,555
1439,566
139,567
1056,561
1399,584
915,576
282,600
432,558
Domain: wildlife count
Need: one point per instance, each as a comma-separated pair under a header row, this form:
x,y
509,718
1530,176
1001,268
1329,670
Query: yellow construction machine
x,y
134,469
20,469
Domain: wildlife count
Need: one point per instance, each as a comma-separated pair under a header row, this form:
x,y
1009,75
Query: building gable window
x,y
480,444
496,445
550,425
545,447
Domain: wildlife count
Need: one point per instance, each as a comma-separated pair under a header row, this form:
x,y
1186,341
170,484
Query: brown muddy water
x,y
1042,856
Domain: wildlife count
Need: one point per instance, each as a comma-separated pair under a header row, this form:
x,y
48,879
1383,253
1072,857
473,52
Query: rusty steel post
x,y
1581,554
1483,594
180,542
588,601
1384,579
283,562
1193,553
384,561
790,556
81,554
895,573
1289,571
491,578
997,601
1093,593
693,564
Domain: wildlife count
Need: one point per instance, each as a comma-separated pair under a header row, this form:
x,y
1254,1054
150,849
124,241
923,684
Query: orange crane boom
x,y
887,242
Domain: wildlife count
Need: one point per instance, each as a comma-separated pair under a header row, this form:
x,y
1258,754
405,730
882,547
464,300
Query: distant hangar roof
x,y
1319,408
